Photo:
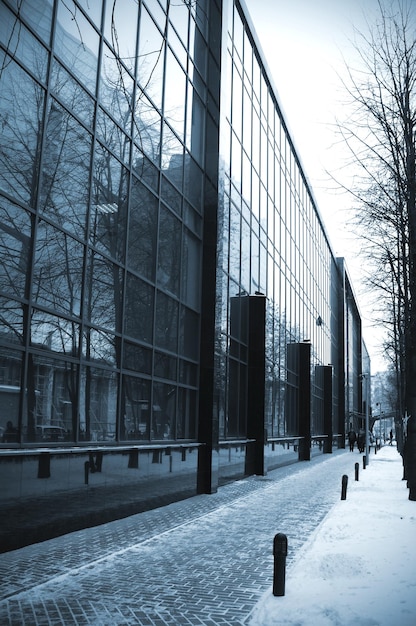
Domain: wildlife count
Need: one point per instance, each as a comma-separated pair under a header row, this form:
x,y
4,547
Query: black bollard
x,y
364,461
344,487
357,471
86,471
279,553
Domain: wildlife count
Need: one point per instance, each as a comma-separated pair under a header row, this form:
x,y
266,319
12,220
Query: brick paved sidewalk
x,y
202,561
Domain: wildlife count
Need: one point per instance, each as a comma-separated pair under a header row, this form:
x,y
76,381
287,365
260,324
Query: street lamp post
x,y
366,378
380,422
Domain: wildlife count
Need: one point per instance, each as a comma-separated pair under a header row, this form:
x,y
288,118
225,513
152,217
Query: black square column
x,y
304,400
255,458
324,372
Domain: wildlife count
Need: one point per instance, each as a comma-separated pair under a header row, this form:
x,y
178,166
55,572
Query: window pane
x,y
10,386
169,257
66,164
57,272
15,230
151,47
98,405
108,232
164,411
136,408
51,407
101,346
166,331
191,270
142,233
76,42
67,89
21,44
175,89
38,15
139,309
189,334
103,291
116,89
20,137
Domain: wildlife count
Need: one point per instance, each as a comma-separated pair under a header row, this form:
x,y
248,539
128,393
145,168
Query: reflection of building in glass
x,y
165,276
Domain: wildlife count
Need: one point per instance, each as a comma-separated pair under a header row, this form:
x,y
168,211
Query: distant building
x,y
168,290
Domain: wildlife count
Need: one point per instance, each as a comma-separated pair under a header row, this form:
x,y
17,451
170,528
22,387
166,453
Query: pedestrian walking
x,y
352,437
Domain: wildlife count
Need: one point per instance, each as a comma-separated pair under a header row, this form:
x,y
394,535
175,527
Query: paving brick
x,y
204,561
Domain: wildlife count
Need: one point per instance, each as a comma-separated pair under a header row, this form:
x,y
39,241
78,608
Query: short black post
x,y
279,553
86,471
364,461
344,487
357,471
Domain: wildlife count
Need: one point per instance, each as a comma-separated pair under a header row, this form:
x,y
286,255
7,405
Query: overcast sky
x,y
306,44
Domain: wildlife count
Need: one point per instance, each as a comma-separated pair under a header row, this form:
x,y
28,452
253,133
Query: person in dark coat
x,y
352,437
361,440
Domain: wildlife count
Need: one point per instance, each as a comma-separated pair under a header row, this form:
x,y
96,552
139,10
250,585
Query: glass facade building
x,y
166,281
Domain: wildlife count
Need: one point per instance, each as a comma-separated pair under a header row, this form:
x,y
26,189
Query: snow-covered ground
x,y
359,567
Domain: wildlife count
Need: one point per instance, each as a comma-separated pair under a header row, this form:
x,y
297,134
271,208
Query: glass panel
x,y
120,29
172,157
101,347
171,196
179,17
195,125
108,230
138,315
103,289
145,170
93,10
151,48
236,162
114,138
37,14
164,411
169,257
142,233
187,414
189,334
235,245
76,42
20,137
98,405
15,231
10,385
193,183
11,321
21,44
191,270
164,366
198,48
166,331
66,169
51,404
135,408
147,129
57,272
237,104
188,373
116,89
54,333
175,90
245,256
67,89
137,358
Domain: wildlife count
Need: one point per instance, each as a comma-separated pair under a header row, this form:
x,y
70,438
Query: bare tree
x,y
381,137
